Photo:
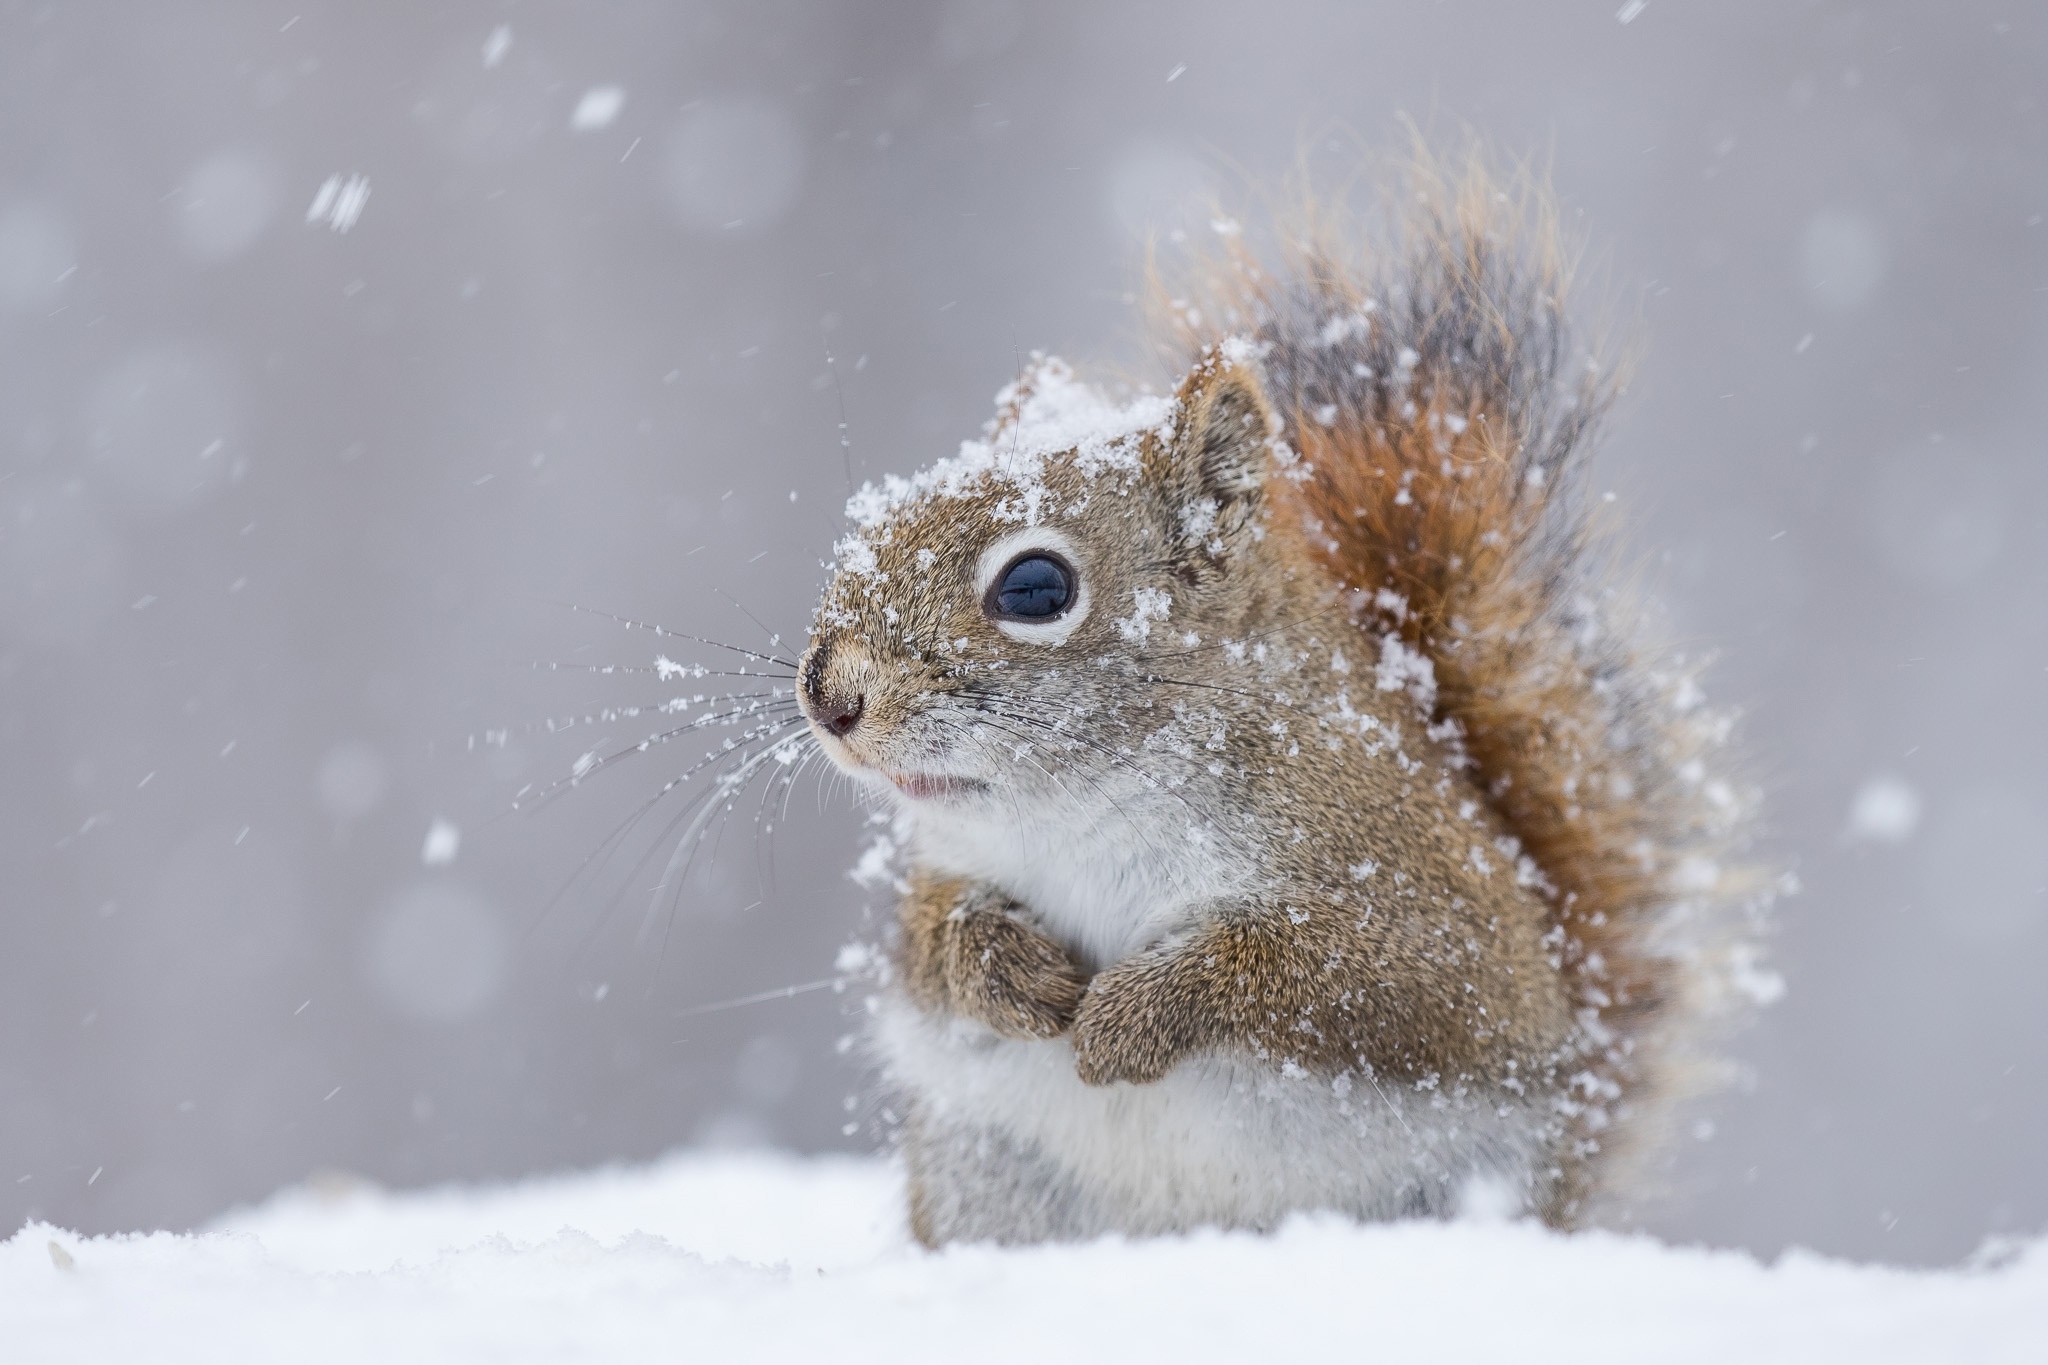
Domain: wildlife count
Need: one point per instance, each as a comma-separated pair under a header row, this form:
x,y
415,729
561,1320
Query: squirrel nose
x,y
840,714
834,706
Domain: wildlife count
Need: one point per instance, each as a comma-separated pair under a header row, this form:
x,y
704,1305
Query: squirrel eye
x,y
1035,587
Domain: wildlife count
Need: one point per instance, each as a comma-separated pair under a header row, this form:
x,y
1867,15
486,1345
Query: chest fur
x,y
1106,888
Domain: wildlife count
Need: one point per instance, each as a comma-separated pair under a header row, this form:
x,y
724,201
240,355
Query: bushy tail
x,y
1426,374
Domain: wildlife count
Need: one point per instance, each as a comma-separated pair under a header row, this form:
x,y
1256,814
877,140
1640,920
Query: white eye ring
x,y
1035,539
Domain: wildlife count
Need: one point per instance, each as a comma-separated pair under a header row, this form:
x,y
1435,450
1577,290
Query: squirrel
x,y
1297,814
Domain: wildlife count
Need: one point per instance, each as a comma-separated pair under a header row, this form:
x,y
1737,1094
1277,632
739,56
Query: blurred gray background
x,y
340,345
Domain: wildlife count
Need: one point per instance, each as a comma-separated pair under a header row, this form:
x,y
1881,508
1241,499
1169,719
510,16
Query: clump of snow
x,y
598,107
1147,605
1402,669
760,1257
339,203
1046,413
1752,980
443,842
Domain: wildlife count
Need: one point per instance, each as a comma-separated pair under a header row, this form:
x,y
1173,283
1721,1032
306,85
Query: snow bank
x,y
765,1258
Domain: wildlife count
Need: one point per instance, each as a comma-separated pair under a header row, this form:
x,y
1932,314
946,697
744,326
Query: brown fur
x,y
968,950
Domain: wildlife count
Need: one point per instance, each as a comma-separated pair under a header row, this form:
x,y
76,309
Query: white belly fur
x,y
1009,1144
1223,1141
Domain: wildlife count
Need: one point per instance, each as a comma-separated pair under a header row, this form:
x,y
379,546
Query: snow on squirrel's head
x,y
1016,596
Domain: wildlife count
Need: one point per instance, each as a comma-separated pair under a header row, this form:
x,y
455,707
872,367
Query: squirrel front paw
x,y
1002,972
1132,1025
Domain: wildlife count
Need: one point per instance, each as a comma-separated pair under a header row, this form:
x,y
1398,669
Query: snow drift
x,y
707,1257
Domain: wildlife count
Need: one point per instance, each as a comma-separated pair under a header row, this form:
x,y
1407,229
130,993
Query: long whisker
x,y
845,434
725,786
762,997
685,670
777,712
602,851
667,634
612,715
764,860
625,827
811,755
694,805
774,637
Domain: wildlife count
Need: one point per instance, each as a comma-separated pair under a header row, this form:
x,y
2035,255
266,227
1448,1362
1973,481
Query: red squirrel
x,y
1297,814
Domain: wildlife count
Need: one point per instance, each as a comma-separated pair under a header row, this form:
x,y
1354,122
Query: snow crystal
x,y
1403,669
497,45
877,865
1752,980
1344,326
339,203
598,107
444,840
1148,605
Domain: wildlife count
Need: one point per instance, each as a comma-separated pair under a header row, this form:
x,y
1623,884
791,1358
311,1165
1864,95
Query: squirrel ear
x,y
1220,441
1219,453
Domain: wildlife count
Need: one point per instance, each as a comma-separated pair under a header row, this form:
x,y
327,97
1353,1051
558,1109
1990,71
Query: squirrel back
x,y
1430,380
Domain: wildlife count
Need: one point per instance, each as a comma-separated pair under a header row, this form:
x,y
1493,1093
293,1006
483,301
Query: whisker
x,y
625,827
612,715
667,634
762,997
764,862
726,785
687,670
815,751
1142,831
774,637
694,805
773,711
602,851
1208,820
845,433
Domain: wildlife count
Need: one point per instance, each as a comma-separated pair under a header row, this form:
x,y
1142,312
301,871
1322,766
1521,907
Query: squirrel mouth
x,y
935,786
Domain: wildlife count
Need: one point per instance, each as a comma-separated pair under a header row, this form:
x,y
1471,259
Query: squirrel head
x,y
1004,612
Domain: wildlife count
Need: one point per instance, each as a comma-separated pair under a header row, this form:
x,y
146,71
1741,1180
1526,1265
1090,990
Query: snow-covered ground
x,y
766,1258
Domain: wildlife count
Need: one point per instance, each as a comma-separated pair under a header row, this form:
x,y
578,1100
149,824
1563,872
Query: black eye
x,y
1034,588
